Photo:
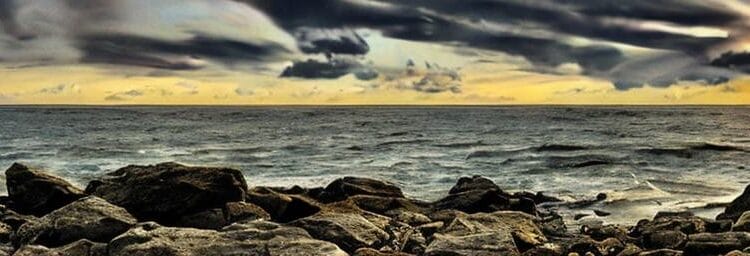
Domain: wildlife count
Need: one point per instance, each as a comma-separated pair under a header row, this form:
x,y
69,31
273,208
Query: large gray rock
x,y
350,231
254,238
32,191
498,233
89,218
167,191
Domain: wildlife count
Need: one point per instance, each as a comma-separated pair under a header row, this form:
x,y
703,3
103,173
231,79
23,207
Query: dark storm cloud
x,y
333,68
536,29
739,61
330,41
164,54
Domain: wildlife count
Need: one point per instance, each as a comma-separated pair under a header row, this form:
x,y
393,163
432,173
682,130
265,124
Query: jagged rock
x,y
32,191
14,219
498,233
665,239
630,250
253,238
350,231
737,207
584,246
167,191
716,243
743,222
87,218
473,183
282,207
548,249
343,188
429,229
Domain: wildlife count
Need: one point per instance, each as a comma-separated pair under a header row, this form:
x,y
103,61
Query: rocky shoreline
x,y
171,209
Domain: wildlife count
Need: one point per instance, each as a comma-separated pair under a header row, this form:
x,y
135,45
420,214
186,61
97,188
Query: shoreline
x,y
173,209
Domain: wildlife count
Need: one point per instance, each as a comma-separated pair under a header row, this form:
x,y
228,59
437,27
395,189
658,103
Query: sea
x,y
645,158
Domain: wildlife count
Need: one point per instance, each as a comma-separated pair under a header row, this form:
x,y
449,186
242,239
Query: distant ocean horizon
x,y
645,157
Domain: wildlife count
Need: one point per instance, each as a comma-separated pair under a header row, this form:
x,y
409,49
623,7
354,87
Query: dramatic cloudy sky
x,y
374,51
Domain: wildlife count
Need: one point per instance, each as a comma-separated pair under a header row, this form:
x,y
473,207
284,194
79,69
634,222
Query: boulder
x,y
32,191
349,230
89,218
14,219
282,207
168,191
389,206
716,243
473,183
253,238
78,248
343,188
498,233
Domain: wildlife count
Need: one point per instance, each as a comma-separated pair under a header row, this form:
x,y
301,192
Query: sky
x,y
259,52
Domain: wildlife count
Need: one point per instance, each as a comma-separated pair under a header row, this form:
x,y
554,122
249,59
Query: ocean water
x,y
645,158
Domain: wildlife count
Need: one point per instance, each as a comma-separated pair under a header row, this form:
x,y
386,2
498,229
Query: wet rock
x,y
665,239
584,246
252,238
498,233
716,243
473,183
32,191
737,207
167,191
548,249
350,231
282,207
343,188
88,218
